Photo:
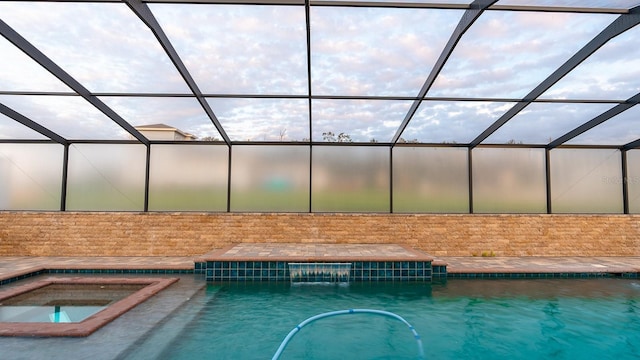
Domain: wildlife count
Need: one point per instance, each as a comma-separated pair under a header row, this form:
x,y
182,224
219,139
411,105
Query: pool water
x,y
458,319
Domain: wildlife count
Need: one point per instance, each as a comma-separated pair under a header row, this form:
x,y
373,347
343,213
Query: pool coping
x,y
92,323
93,268
451,267
542,267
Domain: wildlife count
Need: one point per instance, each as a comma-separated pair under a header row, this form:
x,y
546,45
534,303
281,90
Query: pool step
x,y
271,262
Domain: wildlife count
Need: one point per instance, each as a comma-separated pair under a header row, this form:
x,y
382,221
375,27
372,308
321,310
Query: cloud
x,y
507,54
263,119
185,114
612,72
10,129
239,49
350,56
69,116
103,46
21,73
452,122
540,123
621,129
362,120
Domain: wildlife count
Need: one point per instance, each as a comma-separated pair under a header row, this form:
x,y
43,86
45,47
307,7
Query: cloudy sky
x,y
251,62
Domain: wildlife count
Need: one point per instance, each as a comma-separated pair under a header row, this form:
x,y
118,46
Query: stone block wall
x,y
193,234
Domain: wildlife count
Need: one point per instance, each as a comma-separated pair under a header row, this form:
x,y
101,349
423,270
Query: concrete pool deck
x,y
11,266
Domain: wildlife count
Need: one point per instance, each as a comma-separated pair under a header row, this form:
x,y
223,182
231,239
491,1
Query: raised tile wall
x,y
193,234
280,271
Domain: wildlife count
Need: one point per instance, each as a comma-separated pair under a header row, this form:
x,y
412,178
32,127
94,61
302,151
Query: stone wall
x,y
192,234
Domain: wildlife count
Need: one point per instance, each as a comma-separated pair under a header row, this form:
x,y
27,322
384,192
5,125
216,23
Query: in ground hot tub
x,y
72,306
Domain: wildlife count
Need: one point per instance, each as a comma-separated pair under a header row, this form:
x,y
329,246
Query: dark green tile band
x,y
279,271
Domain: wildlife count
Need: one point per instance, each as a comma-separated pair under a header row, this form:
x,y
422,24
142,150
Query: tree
x,y
404,141
342,137
331,137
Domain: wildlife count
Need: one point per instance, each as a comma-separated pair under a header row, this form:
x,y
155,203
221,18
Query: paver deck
x,y
542,264
317,252
16,265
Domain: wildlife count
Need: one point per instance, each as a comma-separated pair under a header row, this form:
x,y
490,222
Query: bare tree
x,y
329,136
342,137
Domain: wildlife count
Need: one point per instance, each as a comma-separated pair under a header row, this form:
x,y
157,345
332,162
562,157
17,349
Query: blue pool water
x,y
458,319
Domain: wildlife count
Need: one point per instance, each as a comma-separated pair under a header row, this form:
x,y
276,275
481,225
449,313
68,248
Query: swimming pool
x,y
458,319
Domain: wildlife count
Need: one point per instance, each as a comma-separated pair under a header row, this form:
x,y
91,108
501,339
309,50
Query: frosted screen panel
x,y
188,178
509,180
106,177
633,180
350,179
430,180
270,178
586,181
30,176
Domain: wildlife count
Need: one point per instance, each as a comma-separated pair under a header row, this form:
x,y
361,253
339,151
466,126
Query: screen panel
x,y
104,46
369,121
71,117
272,120
188,178
350,179
452,122
612,72
106,177
270,178
541,123
11,129
351,56
618,130
430,179
506,54
586,181
30,176
633,180
509,180
239,49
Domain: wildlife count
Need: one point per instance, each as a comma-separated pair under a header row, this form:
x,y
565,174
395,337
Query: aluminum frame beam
x,y
468,18
144,13
595,121
632,145
32,124
617,27
33,52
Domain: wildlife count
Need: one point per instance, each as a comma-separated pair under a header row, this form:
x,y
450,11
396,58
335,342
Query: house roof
x,y
163,127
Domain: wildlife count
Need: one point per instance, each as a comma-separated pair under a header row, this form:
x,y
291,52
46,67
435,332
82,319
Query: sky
x,y
251,63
